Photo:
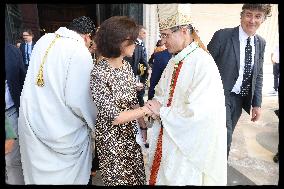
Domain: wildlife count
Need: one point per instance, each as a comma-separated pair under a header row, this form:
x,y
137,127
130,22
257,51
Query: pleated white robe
x,y
194,147
55,120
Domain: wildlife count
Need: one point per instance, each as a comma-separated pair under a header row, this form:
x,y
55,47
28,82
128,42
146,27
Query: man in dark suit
x,y
27,46
14,80
139,62
238,53
160,61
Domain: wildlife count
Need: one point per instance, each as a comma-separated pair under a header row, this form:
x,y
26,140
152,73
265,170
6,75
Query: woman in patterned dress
x,y
113,88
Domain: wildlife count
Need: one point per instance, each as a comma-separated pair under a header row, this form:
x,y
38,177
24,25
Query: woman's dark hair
x,y
158,43
112,33
82,25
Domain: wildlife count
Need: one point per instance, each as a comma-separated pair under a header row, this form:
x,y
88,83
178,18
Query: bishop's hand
x,y
154,106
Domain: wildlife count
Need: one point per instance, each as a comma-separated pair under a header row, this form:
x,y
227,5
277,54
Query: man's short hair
x,y
112,33
29,31
140,27
18,41
82,25
188,26
265,8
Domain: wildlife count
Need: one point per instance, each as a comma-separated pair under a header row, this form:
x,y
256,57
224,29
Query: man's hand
x,y
9,143
255,114
154,106
272,59
144,135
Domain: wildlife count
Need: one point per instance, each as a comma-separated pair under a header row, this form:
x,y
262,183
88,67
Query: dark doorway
x,y
53,16
132,10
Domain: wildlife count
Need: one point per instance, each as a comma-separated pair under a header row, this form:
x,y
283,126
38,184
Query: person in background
x,y
239,54
139,63
276,156
18,43
27,46
14,80
160,46
160,61
56,144
114,92
276,70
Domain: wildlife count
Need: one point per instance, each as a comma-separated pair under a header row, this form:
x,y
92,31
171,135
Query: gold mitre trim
x,y
171,15
176,20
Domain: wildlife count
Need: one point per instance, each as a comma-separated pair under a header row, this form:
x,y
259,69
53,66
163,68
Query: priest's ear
x,y
87,39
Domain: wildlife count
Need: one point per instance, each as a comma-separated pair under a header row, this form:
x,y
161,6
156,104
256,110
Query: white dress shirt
x,y
275,56
28,50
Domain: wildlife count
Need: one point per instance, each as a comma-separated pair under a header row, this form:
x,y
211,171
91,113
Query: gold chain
x,y
40,81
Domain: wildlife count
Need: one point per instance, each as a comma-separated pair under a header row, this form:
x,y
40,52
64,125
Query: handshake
x,y
152,108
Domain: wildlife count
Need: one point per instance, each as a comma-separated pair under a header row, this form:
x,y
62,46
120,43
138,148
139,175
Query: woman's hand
x,y
147,111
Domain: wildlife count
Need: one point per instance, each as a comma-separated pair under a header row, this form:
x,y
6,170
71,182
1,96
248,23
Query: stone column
x,y
150,21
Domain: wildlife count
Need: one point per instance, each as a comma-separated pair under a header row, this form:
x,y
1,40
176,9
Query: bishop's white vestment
x,y
55,120
194,141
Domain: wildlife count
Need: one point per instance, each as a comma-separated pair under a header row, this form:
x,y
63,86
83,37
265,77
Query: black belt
x,y
237,95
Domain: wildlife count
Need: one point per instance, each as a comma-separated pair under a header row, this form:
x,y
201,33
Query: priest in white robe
x,y
189,138
57,112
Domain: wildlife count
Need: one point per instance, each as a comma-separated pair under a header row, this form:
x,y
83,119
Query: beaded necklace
x,y
158,152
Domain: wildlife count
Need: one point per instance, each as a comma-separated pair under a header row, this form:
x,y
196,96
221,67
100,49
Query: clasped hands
x,y
152,108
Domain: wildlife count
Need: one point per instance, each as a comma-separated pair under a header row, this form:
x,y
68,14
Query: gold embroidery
x,y
177,19
40,81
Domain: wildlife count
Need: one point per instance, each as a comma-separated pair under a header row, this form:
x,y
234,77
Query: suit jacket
x,y
14,72
160,61
225,49
22,49
139,56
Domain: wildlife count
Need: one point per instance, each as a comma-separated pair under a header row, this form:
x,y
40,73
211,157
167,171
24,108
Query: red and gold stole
x,y
158,152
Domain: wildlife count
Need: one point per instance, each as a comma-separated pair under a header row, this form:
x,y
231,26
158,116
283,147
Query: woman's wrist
x,y
143,128
143,110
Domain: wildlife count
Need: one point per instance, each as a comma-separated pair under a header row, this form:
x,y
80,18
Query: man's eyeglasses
x,y
26,35
166,35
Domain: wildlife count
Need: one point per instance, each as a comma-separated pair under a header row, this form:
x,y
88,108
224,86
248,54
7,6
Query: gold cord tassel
x,y
40,81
